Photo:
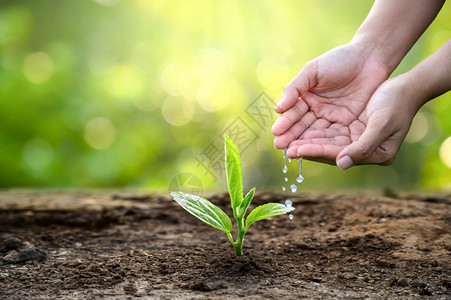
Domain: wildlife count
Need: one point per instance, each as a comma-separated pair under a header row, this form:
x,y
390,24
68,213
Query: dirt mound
x,y
144,245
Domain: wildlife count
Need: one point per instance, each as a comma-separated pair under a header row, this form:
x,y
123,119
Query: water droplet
x,y
286,179
293,188
289,159
288,203
285,169
300,178
284,188
290,216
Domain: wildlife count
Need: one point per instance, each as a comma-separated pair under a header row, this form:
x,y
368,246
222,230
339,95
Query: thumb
x,y
358,152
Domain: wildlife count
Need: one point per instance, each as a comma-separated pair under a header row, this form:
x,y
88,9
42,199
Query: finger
x,y
295,131
297,87
290,117
319,152
289,98
341,141
292,153
321,160
359,151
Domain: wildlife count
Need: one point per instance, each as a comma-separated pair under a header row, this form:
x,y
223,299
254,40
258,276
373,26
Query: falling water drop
x,y
288,203
293,188
290,216
285,168
300,178
289,159
284,188
286,179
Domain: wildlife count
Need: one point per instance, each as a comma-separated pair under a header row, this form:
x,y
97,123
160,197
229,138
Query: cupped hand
x,y
321,106
373,138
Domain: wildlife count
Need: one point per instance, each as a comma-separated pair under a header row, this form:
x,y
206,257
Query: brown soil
x,y
85,245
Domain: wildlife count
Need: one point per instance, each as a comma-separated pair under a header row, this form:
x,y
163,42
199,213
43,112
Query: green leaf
x,y
246,201
265,211
233,171
204,210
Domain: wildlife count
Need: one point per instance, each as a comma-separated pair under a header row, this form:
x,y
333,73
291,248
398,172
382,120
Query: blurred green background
x,y
111,93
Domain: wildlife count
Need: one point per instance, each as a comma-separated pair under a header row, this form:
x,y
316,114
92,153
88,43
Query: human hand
x,y
326,98
373,138
383,125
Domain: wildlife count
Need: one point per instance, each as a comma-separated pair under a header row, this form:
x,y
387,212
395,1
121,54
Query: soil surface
x,y
126,245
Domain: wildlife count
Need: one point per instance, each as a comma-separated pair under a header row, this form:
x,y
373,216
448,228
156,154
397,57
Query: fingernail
x,y
345,162
280,102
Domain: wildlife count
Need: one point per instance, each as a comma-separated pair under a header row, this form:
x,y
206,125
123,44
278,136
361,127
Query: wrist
x,y
375,46
413,92
367,48
392,28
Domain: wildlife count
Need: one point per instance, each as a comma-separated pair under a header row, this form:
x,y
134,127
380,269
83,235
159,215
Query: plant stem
x,y
238,245
231,239
238,250
239,242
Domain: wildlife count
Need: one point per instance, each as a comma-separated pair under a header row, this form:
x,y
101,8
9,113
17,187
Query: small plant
x,y
215,217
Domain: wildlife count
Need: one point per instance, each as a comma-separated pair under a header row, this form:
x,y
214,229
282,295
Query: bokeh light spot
x,y
419,128
100,133
445,152
177,111
38,67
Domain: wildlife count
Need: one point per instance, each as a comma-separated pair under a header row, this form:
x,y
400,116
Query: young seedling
x,y
215,217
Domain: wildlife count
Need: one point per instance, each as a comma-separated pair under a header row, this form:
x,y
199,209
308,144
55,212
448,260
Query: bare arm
x,y
392,28
431,77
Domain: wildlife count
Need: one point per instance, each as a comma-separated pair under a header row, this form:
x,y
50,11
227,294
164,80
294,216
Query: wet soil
x,y
126,245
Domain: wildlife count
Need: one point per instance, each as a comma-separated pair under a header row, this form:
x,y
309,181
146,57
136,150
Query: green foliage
x,y
266,211
215,217
246,202
204,210
234,178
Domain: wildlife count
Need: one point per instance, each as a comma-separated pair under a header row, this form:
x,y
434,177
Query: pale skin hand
x,y
334,90
373,138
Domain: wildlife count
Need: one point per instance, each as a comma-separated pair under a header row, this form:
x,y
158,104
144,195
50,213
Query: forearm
x,y
430,78
393,26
